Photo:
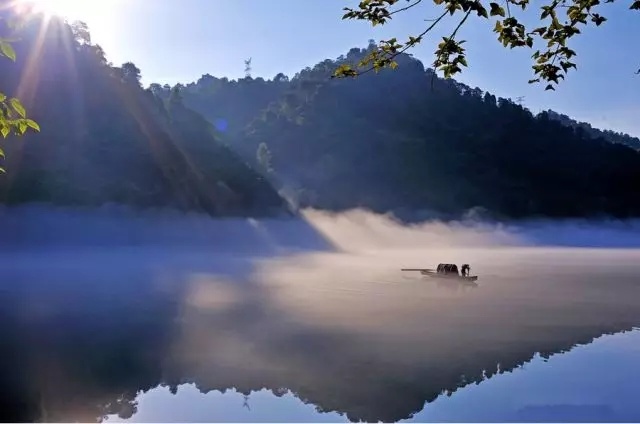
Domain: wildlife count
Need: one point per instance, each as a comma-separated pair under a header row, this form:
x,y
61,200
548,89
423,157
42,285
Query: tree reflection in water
x,y
345,333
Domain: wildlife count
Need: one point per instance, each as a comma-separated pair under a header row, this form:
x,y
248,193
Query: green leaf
x,y
2,98
32,124
496,10
1,153
344,71
7,50
598,19
5,131
17,106
22,127
2,171
545,12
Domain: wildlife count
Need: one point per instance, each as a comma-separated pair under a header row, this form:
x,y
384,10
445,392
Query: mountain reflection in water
x,y
84,332
598,382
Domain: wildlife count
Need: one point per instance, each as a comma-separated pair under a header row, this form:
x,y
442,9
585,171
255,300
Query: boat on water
x,y
447,272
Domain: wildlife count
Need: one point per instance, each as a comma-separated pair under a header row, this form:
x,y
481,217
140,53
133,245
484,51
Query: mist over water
x,y
41,226
108,303
362,230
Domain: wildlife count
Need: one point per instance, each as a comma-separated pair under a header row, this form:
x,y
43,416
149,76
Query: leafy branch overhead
x,y
560,20
13,116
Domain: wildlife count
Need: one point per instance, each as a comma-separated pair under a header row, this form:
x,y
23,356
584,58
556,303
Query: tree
x,y
156,88
13,116
175,97
264,157
560,21
81,32
281,78
131,73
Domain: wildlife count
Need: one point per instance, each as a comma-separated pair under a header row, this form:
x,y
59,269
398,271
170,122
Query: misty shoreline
x,y
41,226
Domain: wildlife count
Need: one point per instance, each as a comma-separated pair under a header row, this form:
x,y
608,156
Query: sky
x,y
180,40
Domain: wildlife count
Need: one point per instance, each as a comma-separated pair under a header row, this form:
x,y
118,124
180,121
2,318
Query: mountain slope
x,y
610,136
406,140
106,140
230,105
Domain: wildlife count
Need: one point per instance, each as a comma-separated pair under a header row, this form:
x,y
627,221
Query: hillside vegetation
x,y
105,139
406,141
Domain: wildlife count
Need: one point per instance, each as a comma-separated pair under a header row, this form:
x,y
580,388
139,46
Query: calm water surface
x,y
155,334
593,383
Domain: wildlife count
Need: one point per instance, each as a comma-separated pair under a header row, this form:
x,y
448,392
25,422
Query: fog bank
x,y
359,229
39,226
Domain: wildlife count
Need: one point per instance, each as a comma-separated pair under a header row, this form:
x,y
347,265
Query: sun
x,y
70,9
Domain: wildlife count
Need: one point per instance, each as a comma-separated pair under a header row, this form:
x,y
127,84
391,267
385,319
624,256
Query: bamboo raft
x,y
444,271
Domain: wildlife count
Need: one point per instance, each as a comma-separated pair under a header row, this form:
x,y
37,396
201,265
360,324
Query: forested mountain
x,y
402,140
230,104
611,136
406,140
106,140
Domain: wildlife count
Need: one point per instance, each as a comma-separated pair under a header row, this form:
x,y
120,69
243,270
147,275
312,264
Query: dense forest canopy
x,y
107,140
403,141
612,136
409,140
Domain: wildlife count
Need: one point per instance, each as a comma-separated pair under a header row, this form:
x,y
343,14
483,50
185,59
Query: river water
x,y
84,332
204,333
598,382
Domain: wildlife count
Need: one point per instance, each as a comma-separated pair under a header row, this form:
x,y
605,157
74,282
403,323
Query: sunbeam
x,y
70,9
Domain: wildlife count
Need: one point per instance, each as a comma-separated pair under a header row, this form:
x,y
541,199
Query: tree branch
x,y
402,9
460,24
409,44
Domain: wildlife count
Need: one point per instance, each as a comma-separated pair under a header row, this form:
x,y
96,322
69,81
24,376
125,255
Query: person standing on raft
x,y
465,270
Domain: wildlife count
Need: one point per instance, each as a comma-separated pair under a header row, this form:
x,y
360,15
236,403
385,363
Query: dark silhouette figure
x,y
448,269
465,270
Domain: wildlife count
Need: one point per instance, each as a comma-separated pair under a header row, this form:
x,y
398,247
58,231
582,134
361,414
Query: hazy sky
x,y
179,40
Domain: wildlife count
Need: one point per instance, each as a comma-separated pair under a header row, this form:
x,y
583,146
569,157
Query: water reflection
x,y
594,383
598,382
85,332
192,405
